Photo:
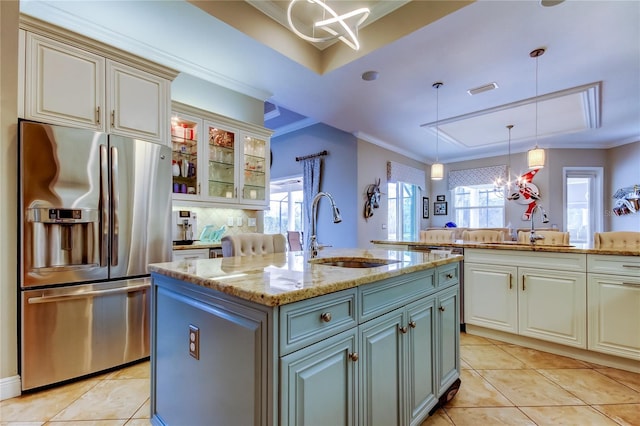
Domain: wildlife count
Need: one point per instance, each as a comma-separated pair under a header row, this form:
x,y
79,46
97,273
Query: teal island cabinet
x,y
354,337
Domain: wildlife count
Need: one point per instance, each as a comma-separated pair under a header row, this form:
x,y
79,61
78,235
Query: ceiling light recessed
x,y
370,75
485,88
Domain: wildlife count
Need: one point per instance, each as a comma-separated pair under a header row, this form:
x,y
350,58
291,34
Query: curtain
x,y
398,172
479,176
311,174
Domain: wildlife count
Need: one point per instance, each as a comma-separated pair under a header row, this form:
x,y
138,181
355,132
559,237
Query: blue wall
x,y
339,176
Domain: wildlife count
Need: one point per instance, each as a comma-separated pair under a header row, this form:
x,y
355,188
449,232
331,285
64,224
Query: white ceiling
x,y
587,42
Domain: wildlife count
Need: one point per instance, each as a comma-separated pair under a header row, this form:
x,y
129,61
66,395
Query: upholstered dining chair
x,y
551,238
483,236
435,236
249,244
617,240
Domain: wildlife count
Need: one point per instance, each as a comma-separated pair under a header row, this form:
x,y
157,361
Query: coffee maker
x,y
184,227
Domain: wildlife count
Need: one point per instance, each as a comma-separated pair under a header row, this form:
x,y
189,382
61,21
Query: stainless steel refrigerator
x,y
95,210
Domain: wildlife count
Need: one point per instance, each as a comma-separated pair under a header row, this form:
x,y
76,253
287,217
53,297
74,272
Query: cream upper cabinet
x,y
138,103
540,295
63,85
70,80
614,305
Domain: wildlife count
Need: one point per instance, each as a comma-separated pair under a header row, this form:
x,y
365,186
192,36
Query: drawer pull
x,y
403,330
113,118
441,308
449,275
523,283
325,316
631,284
98,114
412,324
510,281
631,266
354,356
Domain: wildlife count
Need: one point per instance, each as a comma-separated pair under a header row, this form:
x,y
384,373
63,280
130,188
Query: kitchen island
x,y
354,337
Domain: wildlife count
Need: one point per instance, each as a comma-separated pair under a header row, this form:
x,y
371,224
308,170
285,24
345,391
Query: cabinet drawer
x,y
610,264
190,254
379,298
309,321
448,275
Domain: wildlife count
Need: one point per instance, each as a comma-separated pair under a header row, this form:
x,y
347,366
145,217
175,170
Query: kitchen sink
x,y
352,262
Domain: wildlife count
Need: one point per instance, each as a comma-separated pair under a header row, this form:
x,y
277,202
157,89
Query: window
x,y
285,207
403,211
478,206
582,203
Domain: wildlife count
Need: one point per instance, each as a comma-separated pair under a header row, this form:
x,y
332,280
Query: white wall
x,y
623,171
9,383
372,165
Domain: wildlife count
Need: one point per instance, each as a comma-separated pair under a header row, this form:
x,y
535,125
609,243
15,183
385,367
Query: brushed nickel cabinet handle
x,y
631,284
354,356
510,281
523,282
631,266
403,330
441,308
98,114
325,316
412,324
113,118
449,275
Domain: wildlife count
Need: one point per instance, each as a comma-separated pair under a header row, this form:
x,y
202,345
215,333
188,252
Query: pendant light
x,y
535,156
437,169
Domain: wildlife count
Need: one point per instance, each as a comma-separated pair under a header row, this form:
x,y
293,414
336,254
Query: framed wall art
x,y
440,198
425,207
440,209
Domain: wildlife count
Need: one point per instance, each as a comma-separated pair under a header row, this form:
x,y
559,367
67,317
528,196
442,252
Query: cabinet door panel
x,y
552,306
64,85
491,296
614,315
138,102
382,370
318,383
421,358
449,343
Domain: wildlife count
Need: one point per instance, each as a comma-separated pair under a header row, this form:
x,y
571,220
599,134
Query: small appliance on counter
x,y
185,224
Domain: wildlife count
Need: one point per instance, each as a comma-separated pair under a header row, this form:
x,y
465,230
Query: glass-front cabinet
x,y
231,159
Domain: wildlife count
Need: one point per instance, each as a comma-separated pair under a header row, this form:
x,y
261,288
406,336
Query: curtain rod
x,y
319,154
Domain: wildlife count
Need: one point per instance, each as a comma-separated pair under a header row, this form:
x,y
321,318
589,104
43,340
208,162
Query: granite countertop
x,y
281,278
514,245
196,245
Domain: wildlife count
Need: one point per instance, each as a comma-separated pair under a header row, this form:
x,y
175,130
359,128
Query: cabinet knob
x,y
354,356
325,316
412,324
441,308
449,275
403,330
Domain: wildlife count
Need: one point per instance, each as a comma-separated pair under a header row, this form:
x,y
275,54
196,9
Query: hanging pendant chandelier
x,y
536,156
507,189
437,168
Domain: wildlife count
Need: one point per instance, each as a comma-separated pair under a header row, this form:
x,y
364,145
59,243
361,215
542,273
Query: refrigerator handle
x,y
104,205
115,205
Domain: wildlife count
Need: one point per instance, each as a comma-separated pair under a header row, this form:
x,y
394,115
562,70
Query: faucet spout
x,y
313,242
545,219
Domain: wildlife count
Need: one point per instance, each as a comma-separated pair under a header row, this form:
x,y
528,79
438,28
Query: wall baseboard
x,y
10,387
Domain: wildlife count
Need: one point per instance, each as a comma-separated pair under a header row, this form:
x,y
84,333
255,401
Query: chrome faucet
x,y
532,236
313,242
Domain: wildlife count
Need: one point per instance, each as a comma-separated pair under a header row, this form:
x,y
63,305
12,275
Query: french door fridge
x,y
95,210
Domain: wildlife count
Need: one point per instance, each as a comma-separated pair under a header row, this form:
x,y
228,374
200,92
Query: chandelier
x,y
336,26
507,189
